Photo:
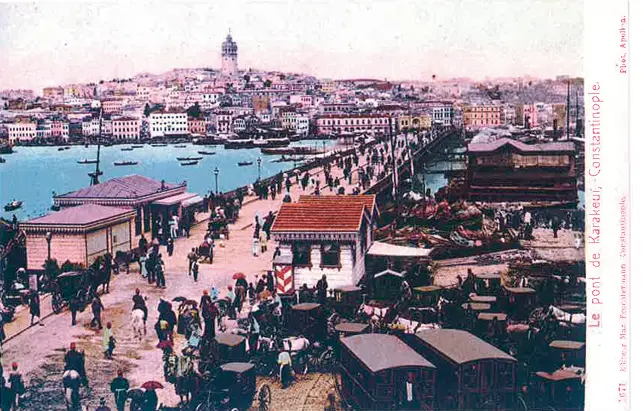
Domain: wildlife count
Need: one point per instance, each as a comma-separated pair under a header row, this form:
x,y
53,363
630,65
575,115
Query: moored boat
x,y
189,163
159,145
2,160
207,153
86,161
13,205
180,146
61,148
244,163
189,158
137,146
127,149
126,163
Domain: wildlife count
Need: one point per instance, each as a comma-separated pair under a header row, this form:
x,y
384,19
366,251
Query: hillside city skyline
x,y
364,43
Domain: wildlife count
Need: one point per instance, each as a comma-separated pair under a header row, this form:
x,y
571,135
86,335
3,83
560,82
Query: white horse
x,y
412,327
295,344
563,316
71,387
372,312
138,325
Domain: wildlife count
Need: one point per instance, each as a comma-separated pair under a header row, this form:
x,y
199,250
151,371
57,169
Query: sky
x,y
49,44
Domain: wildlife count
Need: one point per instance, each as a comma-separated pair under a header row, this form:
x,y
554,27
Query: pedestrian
x,y
330,402
97,307
139,304
119,386
195,271
160,274
34,307
16,385
255,246
261,285
270,281
103,406
73,308
170,247
6,395
150,400
142,265
556,225
109,342
192,258
263,239
143,244
321,289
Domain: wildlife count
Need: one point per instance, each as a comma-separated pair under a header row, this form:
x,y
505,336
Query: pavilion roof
x,y
330,216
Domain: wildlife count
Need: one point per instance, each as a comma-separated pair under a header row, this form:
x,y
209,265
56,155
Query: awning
x,y
390,250
192,201
176,199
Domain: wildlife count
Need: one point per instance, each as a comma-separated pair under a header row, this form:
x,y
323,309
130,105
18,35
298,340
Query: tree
x,y
146,110
194,111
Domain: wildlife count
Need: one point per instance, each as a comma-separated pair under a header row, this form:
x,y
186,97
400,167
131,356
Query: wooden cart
x,y
349,329
372,380
346,300
305,319
568,353
559,390
519,301
427,295
472,374
230,348
492,327
487,283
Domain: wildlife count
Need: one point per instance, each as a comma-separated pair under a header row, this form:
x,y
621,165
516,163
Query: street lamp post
x,y
48,238
259,168
216,170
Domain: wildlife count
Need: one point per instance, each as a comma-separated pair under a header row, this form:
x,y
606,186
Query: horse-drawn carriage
x,y
72,286
346,300
217,227
519,302
306,319
487,283
560,390
233,386
231,347
427,295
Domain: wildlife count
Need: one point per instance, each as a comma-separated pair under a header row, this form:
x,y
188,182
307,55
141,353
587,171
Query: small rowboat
x,y
207,153
86,161
158,145
189,158
126,163
180,146
14,205
61,148
190,163
2,160
137,146
127,149
244,163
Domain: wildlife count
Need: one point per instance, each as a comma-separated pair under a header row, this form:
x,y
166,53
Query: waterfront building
x,y
106,128
414,121
126,128
168,123
348,123
239,124
91,126
197,125
337,108
112,106
21,131
506,170
323,235
60,129
153,200
43,130
79,234
481,116
229,57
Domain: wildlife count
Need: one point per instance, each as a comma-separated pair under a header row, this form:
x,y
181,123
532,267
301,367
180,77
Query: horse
x,y
138,325
562,316
298,346
71,387
372,312
101,273
413,327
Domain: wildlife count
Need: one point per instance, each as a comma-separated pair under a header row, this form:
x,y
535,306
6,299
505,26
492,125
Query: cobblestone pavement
x,y
39,350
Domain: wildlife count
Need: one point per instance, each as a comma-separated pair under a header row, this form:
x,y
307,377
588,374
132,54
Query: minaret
x,y
229,57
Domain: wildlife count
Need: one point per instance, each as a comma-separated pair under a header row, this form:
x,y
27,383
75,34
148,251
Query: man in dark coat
x,y
76,361
321,289
97,308
270,281
34,307
119,387
139,304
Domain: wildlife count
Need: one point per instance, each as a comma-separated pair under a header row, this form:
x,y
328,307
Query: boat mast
x,y
568,113
94,176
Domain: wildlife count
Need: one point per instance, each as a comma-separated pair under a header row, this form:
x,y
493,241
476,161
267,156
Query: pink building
x,y
79,234
197,126
126,128
112,106
343,123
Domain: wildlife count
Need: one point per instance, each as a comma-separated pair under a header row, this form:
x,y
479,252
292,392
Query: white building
x,y
229,57
126,128
323,235
302,125
168,123
223,121
91,126
21,132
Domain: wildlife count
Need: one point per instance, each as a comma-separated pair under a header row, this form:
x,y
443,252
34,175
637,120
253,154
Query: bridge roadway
x,y
39,350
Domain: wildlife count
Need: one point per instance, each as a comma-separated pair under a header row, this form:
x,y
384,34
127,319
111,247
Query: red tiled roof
x,y
528,148
81,215
129,187
338,216
368,200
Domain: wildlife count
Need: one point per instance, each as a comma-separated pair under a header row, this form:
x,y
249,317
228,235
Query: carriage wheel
x,y
264,398
56,303
522,404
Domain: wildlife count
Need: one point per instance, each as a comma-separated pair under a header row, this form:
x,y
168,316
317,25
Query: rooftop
x,y
560,146
368,200
128,187
381,351
82,215
339,214
460,346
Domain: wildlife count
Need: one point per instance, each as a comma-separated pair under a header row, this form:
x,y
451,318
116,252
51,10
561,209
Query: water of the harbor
x,y
31,174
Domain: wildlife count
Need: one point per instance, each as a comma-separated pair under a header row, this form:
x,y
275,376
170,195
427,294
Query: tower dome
x,y
229,57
